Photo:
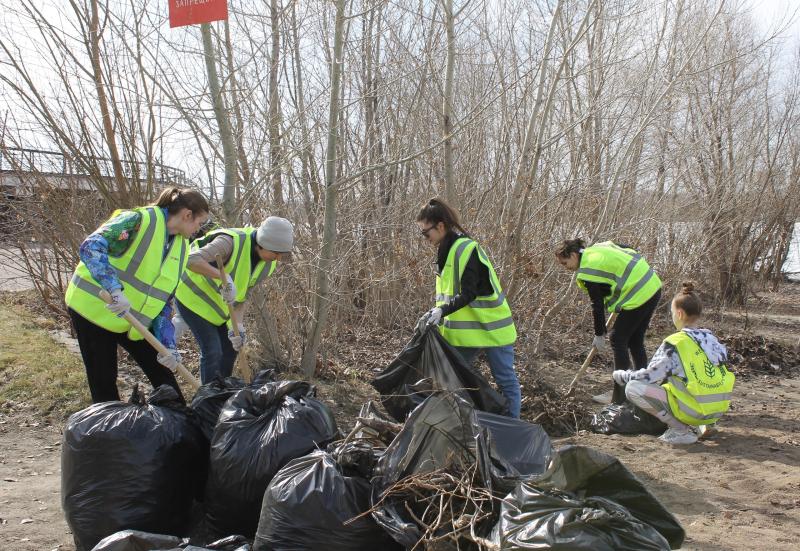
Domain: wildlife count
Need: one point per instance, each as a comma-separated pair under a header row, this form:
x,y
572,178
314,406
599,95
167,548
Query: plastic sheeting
x,y
625,419
134,540
258,432
548,519
428,363
587,473
211,397
307,504
131,466
445,431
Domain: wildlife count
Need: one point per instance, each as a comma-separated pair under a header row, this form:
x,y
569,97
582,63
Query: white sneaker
x,y
679,437
604,398
706,431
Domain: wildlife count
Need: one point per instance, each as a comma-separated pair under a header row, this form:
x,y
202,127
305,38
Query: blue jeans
x,y
217,356
501,363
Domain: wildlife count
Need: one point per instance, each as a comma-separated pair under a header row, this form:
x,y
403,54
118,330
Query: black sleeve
x,y
598,292
470,281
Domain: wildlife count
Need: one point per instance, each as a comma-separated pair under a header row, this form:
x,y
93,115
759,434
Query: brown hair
x,y
687,300
570,246
174,199
436,210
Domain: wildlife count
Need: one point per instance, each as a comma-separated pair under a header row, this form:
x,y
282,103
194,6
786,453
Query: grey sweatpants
x,y
652,399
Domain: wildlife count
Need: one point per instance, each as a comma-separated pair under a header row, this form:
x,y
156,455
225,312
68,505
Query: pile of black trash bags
x,y
262,466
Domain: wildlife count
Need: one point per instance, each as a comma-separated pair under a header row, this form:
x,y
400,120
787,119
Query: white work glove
x,y
119,305
621,376
237,342
170,360
599,342
180,326
434,316
228,290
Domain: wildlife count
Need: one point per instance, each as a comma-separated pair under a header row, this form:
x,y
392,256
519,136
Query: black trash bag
x,y
625,418
427,356
592,473
441,432
525,449
258,432
209,398
131,466
308,502
550,519
134,540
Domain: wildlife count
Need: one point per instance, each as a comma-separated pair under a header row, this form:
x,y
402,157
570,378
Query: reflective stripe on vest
x,y
486,321
148,276
705,395
633,282
200,293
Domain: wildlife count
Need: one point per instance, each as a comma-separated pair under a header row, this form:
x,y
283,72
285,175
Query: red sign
x,y
191,12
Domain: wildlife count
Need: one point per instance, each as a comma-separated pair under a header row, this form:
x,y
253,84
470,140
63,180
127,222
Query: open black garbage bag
x,y
550,519
428,357
258,432
518,449
209,398
134,540
625,418
308,502
586,472
131,466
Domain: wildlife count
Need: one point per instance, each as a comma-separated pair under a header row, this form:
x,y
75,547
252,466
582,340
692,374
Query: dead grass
x,y
38,376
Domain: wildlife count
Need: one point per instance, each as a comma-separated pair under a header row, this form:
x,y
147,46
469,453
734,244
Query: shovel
x,y
154,342
231,312
609,324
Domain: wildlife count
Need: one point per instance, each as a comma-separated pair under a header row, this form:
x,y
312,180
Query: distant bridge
x,y
63,172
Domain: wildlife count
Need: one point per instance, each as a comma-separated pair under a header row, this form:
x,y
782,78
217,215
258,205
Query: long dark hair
x,y
570,246
174,199
436,210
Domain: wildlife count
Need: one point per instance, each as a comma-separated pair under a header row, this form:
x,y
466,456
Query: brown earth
x,y
739,490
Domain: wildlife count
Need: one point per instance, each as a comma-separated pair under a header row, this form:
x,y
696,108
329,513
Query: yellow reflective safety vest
x,y
705,394
200,293
633,282
484,322
147,275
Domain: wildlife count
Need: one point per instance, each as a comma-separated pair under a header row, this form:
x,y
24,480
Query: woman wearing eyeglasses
x,y
471,309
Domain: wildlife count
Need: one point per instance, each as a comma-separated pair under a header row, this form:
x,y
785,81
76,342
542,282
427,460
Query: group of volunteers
x,y
143,259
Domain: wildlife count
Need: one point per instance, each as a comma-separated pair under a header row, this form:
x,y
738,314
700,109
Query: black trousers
x,y
99,351
627,335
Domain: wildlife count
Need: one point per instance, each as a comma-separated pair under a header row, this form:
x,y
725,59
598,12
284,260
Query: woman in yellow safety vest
x,y
471,308
618,279
137,257
686,384
249,255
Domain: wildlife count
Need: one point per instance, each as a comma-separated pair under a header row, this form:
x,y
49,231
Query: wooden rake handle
x,y
609,324
154,342
231,309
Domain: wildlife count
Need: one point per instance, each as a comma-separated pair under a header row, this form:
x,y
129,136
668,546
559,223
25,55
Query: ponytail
x,y
436,210
570,246
174,199
687,300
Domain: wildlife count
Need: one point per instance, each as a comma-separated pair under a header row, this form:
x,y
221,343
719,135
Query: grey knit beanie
x,y
275,234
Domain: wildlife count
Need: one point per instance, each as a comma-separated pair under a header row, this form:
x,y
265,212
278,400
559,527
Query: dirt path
x,y
30,487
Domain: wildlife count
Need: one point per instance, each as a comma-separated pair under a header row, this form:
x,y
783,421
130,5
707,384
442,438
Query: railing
x,y
14,159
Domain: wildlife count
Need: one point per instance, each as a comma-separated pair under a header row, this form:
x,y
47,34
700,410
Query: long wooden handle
x,y
154,342
609,324
231,309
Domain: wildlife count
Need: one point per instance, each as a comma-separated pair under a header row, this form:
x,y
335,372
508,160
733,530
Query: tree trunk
x,y
322,297
223,123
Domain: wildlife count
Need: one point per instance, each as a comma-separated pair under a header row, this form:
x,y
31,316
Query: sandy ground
x,y
738,491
